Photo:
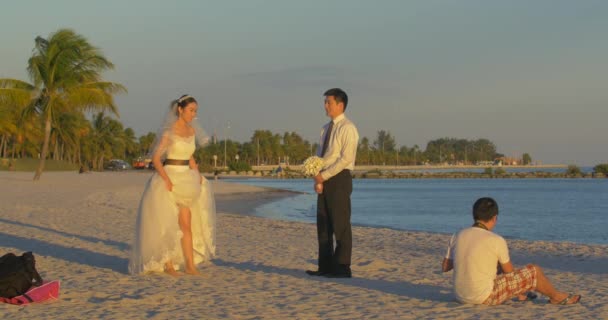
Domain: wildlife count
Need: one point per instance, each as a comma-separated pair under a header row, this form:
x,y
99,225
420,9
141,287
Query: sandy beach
x,y
80,227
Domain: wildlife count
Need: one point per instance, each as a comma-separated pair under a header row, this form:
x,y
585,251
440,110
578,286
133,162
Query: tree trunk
x,y
45,146
13,150
5,151
2,146
78,154
55,150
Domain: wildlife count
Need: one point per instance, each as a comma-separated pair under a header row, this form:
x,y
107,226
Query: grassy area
x,y
27,164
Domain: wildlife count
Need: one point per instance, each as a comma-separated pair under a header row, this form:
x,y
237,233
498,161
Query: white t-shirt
x,y
475,253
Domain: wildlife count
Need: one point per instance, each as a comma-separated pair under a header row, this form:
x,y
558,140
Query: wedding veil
x,y
166,128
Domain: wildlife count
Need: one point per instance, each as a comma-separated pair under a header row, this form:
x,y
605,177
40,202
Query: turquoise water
x,y
573,210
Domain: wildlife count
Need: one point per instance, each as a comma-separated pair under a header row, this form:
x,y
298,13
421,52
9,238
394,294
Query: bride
x,y
176,216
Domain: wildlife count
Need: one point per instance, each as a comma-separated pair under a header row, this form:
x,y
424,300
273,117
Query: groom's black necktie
x,y
326,140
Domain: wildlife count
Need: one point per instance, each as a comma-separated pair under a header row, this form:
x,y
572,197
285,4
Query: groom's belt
x,y
175,162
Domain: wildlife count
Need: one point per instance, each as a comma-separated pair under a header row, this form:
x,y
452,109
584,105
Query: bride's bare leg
x,y
169,269
186,228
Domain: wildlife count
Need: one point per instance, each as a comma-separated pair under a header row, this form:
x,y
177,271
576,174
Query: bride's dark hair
x,y
182,102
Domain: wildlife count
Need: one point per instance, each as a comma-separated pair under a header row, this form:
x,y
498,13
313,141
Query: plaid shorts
x,y
509,285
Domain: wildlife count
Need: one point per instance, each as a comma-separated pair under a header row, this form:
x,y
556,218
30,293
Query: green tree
x,y
363,151
265,143
601,168
131,146
295,147
8,128
105,141
573,170
66,73
384,145
500,171
145,143
526,159
66,132
385,142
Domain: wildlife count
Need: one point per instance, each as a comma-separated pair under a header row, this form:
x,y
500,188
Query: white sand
x,y
80,228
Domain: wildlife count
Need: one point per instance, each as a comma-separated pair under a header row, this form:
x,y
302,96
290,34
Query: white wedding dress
x,y
157,232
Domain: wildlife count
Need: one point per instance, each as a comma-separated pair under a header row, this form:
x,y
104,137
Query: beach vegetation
x,y
453,150
239,166
65,70
573,170
500,171
601,168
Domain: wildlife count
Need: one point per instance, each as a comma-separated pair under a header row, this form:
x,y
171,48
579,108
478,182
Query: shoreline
x,y
430,167
80,228
247,198
397,172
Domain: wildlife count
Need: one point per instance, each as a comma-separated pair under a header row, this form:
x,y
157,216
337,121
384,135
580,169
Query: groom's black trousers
x,y
333,219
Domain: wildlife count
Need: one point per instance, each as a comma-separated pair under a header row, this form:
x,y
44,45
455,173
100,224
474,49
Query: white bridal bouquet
x,y
312,166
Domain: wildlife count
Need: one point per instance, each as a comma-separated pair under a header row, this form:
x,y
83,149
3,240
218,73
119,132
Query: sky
x,y
531,76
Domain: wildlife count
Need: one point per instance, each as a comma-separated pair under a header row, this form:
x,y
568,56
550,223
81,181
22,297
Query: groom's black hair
x,y
485,209
338,94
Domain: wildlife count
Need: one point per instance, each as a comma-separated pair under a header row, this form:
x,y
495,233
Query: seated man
x,y
474,252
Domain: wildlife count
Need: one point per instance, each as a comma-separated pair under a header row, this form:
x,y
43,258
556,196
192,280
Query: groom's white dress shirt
x,y
342,148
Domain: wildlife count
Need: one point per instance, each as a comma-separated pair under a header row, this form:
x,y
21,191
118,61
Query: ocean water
x,y
573,210
508,169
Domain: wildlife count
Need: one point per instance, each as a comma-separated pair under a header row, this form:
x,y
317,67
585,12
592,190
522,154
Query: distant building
x,y
507,161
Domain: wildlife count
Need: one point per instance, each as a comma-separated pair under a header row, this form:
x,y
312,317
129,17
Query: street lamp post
x,y
225,140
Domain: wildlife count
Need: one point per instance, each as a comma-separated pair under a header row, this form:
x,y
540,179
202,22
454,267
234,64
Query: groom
x,y
334,185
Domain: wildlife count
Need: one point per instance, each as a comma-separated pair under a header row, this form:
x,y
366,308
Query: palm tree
x,y
145,143
66,73
8,128
130,141
107,140
68,129
14,96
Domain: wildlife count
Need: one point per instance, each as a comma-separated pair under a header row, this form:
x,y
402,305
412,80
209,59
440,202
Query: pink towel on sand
x,y
47,291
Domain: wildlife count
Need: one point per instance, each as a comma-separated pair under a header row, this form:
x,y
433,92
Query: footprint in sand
x,y
376,265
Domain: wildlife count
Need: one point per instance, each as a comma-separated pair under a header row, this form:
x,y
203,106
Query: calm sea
x,y
535,209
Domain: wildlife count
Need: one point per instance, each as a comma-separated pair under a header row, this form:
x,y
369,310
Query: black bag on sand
x,y
17,274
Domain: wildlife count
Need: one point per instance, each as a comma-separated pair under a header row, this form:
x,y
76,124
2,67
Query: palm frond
x,y
17,84
95,96
16,93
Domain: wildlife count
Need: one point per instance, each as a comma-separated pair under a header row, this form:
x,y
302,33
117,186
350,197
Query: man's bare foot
x,y
564,299
529,296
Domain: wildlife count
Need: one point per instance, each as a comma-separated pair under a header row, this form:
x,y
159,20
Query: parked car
x,y
117,165
139,163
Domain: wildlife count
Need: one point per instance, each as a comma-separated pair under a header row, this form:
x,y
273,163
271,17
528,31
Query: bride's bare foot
x,y
171,271
192,271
